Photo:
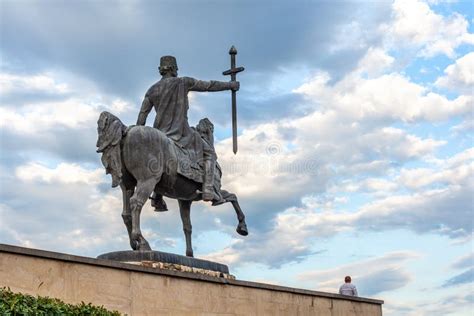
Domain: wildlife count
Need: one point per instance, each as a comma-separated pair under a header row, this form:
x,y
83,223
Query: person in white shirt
x,y
348,288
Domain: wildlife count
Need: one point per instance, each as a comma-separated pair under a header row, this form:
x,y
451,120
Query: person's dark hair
x,y
347,279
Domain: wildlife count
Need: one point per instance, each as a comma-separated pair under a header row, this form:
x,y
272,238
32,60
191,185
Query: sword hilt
x,y
233,71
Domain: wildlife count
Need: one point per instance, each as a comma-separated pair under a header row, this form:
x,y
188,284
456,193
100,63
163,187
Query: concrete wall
x,y
136,290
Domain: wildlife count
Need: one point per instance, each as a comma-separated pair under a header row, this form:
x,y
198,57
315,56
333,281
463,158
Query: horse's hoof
x,y
189,254
145,248
242,230
143,244
135,241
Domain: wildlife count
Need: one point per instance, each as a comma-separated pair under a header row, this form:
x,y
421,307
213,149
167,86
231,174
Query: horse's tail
x,y
110,133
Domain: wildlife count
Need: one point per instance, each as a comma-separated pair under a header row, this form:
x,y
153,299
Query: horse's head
x,y
109,129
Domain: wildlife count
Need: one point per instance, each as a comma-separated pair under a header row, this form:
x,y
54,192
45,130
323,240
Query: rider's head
x,y
205,126
168,66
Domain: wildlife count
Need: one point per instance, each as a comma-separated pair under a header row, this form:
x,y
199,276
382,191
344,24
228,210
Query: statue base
x,y
169,261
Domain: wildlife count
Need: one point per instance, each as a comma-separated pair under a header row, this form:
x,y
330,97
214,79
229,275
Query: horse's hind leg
x,y
242,226
126,213
142,192
185,211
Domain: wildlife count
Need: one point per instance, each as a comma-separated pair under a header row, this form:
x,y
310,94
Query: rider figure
x,y
169,97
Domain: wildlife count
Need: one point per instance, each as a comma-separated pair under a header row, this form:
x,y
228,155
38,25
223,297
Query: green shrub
x,y
23,304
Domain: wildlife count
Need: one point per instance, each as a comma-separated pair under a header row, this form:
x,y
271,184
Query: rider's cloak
x,y
169,97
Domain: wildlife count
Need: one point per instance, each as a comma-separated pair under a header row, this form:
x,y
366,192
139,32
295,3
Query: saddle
x,y
193,169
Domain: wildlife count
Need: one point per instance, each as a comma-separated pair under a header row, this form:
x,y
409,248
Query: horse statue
x,y
142,160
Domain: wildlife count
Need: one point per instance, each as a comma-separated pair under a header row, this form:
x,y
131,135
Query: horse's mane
x,y
110,132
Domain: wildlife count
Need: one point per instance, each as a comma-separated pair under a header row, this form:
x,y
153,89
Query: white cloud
x,y
47,123
463,262
375,62
447,304
348,127
460,75
351,35
119,106
378,186
31,119
416,24
227,256
9,233
396,143
79,106
13,83
455,304
442,211
388,97
61,209
421,177
451,171
464,127
64,173
436,2
323,202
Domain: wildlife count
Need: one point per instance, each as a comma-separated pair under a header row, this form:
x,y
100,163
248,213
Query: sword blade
x,y
234,122
234,103
232,72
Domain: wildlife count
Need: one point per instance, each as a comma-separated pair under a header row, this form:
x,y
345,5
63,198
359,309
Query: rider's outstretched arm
x,y
145,109
213,85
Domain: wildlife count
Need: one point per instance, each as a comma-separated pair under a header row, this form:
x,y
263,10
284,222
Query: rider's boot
x,y
158,203
208,184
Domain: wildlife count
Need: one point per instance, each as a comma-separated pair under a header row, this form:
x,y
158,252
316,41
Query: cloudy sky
x,y
355,137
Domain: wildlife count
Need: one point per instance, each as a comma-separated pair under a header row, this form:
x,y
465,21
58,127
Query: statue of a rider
x,y
169,97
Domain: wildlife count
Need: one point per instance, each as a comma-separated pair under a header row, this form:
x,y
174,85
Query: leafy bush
x,y
22,304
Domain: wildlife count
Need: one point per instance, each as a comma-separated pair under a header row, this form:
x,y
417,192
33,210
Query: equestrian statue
x,y
171,158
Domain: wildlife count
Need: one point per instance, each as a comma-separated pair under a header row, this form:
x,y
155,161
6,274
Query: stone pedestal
x,y
169,261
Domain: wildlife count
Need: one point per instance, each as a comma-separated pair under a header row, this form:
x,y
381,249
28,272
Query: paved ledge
x,y
130,267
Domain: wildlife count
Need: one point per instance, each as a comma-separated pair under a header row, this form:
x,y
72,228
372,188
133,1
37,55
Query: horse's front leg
x,y
242,226
142,192
126,213
185,211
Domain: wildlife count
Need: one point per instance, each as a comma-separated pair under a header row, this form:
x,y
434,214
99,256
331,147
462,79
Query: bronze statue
x,y
169,159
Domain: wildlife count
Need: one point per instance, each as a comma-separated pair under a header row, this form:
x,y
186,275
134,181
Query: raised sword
x,y
233,72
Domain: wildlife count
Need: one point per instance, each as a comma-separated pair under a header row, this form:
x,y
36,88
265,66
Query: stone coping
x,y
201,277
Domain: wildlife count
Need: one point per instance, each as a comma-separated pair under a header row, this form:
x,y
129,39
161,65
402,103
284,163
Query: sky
x,y
355,137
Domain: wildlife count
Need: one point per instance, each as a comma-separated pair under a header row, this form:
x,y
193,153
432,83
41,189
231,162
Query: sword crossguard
x,y
233,71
